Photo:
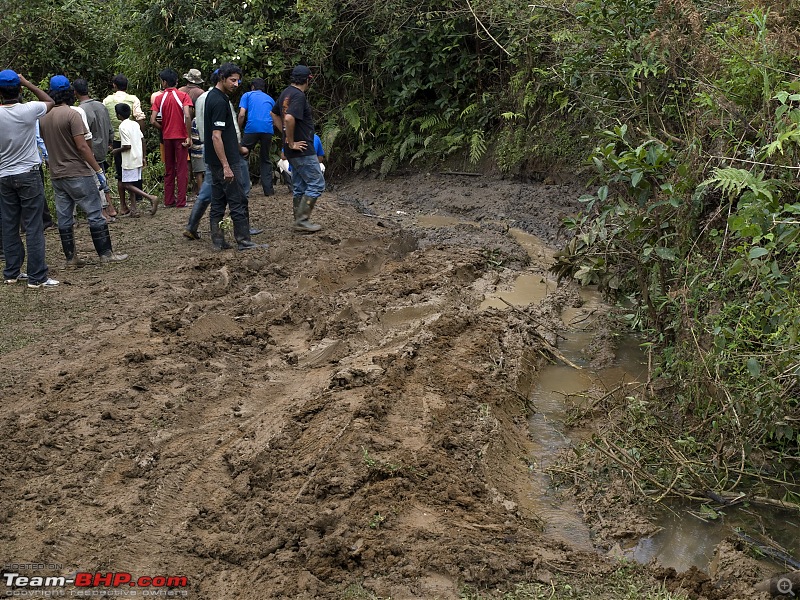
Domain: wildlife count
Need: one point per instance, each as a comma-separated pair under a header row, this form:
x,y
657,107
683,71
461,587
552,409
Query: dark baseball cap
x,y
8,78
301,72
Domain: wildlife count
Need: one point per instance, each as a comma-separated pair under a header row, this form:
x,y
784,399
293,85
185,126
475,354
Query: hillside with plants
x,y
684,115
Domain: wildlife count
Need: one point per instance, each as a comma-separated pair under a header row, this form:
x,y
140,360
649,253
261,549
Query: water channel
x,y
684,538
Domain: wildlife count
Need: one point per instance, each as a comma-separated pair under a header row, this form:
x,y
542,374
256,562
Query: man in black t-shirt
x,y
292,115
222,149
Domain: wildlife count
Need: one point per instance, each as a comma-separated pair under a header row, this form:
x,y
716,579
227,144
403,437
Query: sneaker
x,y
20,277
50,283
113,257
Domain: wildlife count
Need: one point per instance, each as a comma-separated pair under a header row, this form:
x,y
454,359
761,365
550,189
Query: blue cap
x,y
59,83
8,78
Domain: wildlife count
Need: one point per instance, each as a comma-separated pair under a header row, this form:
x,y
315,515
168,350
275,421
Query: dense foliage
x,y
686,110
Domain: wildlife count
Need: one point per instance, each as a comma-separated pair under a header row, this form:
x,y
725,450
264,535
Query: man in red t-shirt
x,y
172,114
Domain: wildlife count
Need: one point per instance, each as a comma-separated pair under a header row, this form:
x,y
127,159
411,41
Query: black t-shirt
x,y
293,101
219,117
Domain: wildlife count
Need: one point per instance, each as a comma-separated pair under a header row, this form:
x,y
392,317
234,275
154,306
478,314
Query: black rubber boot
x,y
101,237
241,231
198,210
68,245
296,208
218,237
253,230
303,222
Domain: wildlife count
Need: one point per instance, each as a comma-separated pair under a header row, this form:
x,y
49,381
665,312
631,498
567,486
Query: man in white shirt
x,y
21,189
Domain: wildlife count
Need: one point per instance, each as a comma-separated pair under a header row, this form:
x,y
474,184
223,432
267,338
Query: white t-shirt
x,y
88,135
18,152
130,134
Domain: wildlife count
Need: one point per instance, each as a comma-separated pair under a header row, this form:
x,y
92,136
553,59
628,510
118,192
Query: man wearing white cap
x,y
195,78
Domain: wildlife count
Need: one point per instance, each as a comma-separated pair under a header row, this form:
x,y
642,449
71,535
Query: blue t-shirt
x,y
258,105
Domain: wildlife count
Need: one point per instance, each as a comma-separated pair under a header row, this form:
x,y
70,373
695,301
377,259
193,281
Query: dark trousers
x,y
230,195
265,140
21,205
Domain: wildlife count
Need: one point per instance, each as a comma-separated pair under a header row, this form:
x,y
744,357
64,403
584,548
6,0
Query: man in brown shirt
x,y
74,173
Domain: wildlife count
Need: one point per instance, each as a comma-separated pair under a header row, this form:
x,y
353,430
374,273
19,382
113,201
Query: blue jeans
x,y
82,191
307,178
22,203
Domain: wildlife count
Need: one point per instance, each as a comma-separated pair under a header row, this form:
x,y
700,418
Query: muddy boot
x,y
303,223
241,231
296,202
218,237
198,210
101,237
68,245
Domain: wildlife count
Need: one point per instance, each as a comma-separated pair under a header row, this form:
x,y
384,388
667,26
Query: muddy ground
x,y
333,417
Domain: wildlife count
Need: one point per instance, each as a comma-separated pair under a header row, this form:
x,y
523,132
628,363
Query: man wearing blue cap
x,y
21,188
292,115
73,169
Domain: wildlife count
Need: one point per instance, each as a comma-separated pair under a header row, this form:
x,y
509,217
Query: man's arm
x,y
86,152
138,113
187,121
42,96
288,122
219,149
242,118
153,121
277,122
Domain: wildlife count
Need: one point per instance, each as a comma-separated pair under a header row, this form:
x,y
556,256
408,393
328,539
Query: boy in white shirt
x,y
132,148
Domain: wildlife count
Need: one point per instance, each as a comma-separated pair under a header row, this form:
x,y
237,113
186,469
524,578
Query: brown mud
x,y
335,413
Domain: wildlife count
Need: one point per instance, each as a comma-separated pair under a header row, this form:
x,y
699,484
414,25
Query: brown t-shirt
x,y
58,128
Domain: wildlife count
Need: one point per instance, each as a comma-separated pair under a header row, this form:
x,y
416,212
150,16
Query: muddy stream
x,y
685,538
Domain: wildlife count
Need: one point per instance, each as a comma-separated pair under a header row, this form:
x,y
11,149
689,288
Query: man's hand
x,y
244,151
186,143
101,179
227,173
300,146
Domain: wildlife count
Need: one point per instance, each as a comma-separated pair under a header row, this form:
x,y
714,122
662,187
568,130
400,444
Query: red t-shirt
x,y
171,102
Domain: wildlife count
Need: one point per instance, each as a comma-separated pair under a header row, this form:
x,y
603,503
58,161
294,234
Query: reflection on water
x,y
688,541
554,385
528,288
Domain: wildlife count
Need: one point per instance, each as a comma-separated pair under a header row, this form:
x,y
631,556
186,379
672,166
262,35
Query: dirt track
x,y
332,416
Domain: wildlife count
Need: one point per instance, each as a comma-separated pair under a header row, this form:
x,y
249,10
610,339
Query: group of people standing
x,y
197,127
228,138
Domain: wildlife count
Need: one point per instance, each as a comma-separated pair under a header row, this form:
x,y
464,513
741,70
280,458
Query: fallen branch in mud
x,y
548,346
531,318
619,456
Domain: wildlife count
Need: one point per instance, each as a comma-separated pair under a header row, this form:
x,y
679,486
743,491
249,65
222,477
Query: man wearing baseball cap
x,y
292,115
73,169
21,188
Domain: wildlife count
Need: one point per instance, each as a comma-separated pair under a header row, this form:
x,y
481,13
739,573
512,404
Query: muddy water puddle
x,y
557,388
688,539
